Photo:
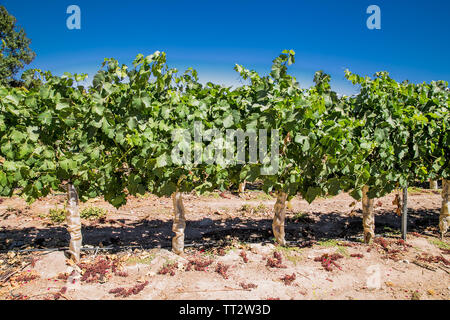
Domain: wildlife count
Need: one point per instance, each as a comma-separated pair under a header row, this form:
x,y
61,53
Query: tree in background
x,y
14,50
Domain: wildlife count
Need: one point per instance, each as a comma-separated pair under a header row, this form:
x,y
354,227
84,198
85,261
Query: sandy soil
x,y
127,254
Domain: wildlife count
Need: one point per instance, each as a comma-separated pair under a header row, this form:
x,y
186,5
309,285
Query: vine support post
x,y
405,213
279,217
368,216
179,223
73,220
444,217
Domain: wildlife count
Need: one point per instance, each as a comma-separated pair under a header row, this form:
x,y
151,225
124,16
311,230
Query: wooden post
x,y
444,217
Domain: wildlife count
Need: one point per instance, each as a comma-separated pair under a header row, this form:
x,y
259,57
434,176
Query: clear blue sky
x,y
212,36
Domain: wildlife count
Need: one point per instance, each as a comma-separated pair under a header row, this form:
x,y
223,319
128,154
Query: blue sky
x,y
211,36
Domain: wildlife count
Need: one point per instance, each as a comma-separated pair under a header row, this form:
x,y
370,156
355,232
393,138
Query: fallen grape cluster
x,y
288,279
248,286
100,269
434,259
276,261
168,268
123,292
244,257
25,277
392,248
222,270
198,264
60,293
328,260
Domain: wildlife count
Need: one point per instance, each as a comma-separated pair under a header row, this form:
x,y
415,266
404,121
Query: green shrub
x,y
93,213
249,209
57,215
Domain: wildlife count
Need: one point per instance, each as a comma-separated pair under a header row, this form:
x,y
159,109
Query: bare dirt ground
x,y
230,253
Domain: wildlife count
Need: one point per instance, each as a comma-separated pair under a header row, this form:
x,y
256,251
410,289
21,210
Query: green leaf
x,y
62,106
162,161
132,123
303,141
228,121
45,117
312,193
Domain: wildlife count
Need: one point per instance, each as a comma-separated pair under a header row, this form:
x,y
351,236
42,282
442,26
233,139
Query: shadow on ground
x,y
209,232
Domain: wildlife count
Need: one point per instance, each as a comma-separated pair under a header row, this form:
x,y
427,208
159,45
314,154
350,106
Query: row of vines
x,y
115,138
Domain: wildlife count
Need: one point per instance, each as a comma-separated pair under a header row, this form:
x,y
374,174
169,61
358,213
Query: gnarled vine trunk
x,y
279,217
433,184
242,187
73,223
179,223
368,216
444,217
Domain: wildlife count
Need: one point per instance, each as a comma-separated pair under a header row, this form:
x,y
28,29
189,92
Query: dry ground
x,y
130,249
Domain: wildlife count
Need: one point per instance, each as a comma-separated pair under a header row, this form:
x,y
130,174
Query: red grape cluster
x,y
243,254
122,292
430,258
392,252
168,269
247,286
198,264
382,242
328,260
100,269
26,277
222,270
276,261
58,295
288,279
